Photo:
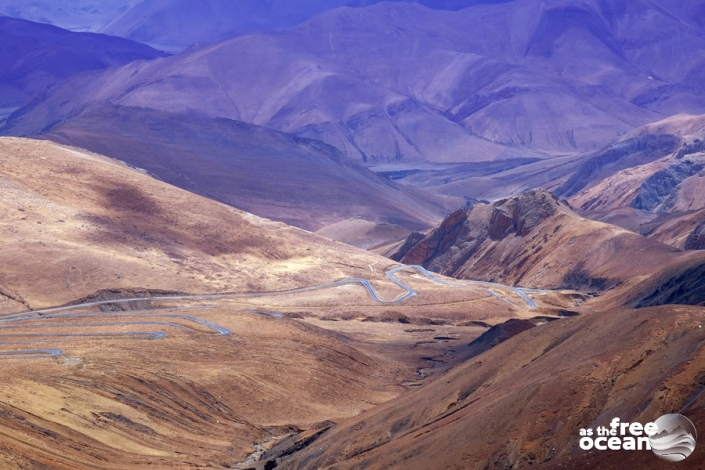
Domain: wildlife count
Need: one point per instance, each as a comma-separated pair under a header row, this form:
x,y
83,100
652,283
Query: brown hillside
x,y
536,240
202,381
523,402
74,223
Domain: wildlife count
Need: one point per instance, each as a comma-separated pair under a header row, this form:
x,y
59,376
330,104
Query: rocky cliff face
x,y
437,242
465,236
654,184
696,239
463,231
659,192
536,240
411,241
618,156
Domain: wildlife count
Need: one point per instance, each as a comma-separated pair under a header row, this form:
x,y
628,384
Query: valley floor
x,y
165,381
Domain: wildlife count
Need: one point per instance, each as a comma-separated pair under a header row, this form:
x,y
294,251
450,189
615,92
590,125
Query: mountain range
x,y
35,56
299,181
460,91
75,15
177,24
481,104
349,234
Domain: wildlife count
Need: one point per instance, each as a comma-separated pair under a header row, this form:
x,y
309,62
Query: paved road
x,y
30,353
25,320
521,292
351,280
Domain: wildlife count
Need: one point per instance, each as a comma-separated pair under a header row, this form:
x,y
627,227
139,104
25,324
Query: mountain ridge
x,y
487,100
36,56
279,176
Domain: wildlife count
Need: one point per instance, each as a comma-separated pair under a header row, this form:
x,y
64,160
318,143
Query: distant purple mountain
x,y
435,4
35,56
271,174
75,15
401,82
176,24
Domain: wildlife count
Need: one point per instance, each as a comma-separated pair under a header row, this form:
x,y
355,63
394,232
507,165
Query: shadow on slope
x,y
536,240
523,402
35,56
299,181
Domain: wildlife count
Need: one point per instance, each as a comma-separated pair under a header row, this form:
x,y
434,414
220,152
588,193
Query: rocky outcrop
x,y
534,207
658,191
438,241
537,240
502,223
696,239
464,235
463,231
411,241
696,146
520,215
616,157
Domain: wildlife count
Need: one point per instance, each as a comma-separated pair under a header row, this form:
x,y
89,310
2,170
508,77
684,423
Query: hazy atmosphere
x,y
333,234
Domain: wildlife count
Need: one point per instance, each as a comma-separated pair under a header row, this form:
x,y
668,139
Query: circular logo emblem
x,y
675,439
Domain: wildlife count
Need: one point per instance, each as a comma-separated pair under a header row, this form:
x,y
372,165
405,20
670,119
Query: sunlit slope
x,y
74,223
523,403
536,239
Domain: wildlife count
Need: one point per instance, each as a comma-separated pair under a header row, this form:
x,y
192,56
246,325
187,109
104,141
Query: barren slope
x,y
74,223
351,77
299,181
524,402
36,56
189,399
537,240
172,380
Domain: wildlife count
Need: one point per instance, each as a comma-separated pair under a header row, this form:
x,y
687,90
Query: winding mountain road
x,y
25,320
521,292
